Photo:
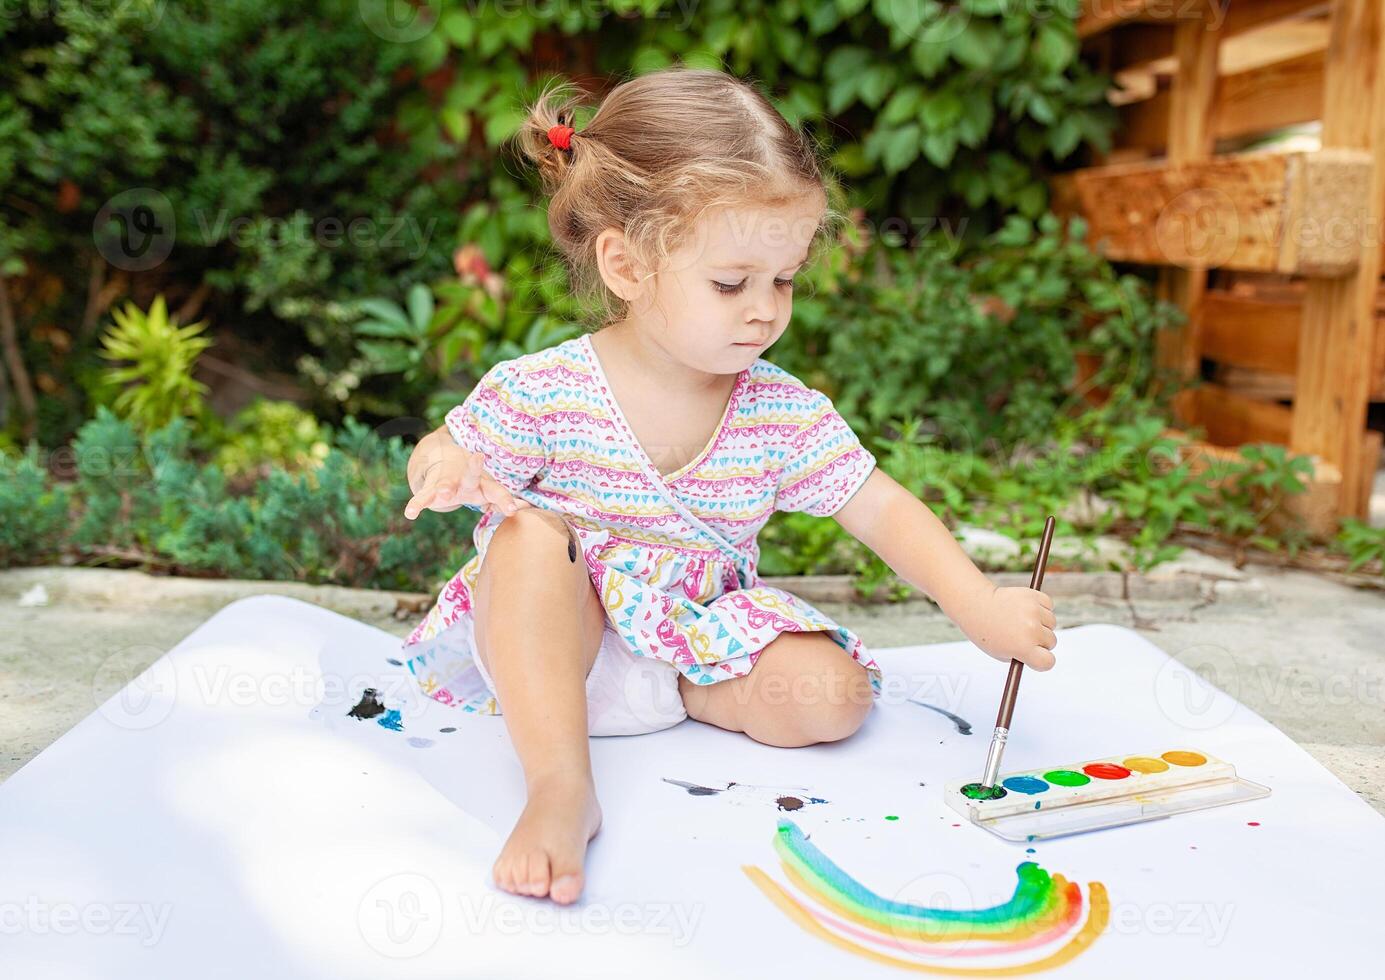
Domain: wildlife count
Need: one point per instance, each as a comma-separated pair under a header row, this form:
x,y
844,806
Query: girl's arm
x,y
1009,623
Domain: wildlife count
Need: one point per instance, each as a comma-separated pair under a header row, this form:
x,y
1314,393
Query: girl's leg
x,y
538,624
803,689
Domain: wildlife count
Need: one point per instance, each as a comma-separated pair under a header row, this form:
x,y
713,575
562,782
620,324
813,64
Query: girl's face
x,y
727,293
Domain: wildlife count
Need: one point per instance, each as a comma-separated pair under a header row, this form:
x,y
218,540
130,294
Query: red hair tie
x,y
561,136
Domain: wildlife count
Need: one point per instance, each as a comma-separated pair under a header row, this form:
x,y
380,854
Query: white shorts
x,y
626,694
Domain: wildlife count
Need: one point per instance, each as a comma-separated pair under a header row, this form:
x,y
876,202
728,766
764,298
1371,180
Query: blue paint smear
x,y
1029,785
391,719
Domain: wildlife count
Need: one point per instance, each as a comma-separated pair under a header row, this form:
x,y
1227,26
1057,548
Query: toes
x,y
567,884
502,875
535,877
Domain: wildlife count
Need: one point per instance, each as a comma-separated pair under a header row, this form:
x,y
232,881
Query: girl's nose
x,y
764,306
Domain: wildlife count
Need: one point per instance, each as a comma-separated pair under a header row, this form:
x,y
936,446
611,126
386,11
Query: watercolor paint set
x,y
1111,792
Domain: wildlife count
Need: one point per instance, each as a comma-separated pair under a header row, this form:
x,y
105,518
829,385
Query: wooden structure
x,y
1274,254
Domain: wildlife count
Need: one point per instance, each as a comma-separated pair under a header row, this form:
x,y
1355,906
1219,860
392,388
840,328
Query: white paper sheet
x,y
223,817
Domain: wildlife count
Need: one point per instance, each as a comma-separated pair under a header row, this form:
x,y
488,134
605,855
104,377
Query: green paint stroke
x,y
1036,897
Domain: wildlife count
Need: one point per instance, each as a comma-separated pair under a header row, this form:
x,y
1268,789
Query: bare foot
x,y
544,853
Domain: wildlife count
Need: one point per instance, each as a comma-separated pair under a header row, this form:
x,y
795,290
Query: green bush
x,y
144,499
33,511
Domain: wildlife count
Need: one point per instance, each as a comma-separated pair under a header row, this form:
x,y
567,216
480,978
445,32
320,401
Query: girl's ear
x,y
617,265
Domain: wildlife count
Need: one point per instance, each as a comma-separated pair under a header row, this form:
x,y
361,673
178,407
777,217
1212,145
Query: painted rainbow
x,y
1044,924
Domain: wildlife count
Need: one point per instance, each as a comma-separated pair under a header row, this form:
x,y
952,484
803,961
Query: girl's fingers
x,y
1048,639
497,495
419,501
1041,659
1044,599
1048,619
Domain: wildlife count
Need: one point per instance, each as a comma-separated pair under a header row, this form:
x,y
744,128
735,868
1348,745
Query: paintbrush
x,y
1012,682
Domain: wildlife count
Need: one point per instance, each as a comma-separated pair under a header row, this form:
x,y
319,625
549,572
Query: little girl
x,y
623,475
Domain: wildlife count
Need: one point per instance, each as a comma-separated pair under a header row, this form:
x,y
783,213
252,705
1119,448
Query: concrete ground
x,y
1304,651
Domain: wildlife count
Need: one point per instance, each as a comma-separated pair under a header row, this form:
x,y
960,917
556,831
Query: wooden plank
x,y
1099,16
1337,333
1232,420
1253,333
1139,44
1192,103
1370,463
1294,213
1248,103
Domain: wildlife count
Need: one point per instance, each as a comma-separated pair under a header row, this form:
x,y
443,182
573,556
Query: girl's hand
x,y
1013,623
458,478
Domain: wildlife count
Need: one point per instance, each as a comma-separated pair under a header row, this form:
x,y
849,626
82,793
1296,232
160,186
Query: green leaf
x,y
901,148
501,124
459,27
1063,138
978,45
420,306
939,147
385,328
384,357
941,110
903,105
389,312
1055,45
1041,109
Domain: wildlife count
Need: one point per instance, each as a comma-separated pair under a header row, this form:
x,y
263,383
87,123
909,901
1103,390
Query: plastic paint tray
x,y
1114,791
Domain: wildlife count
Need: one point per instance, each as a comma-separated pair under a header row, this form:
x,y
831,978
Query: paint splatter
x,y
369,706
745,793
693,789
1252,823
962,724
448,729
892,817
391,719
1040,927
392,661
420,743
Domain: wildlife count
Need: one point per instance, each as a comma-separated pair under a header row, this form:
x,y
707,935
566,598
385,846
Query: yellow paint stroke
x,y
1097,917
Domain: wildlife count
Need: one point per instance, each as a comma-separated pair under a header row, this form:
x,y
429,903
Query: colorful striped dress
x,y
673,557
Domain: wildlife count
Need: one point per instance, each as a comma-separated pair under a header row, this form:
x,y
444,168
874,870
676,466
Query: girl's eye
x,y
731,288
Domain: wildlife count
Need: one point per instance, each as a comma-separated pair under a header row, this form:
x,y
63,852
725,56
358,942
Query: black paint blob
x,y
369,706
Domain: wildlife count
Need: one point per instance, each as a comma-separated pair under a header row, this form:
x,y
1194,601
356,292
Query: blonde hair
x,y
659,151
